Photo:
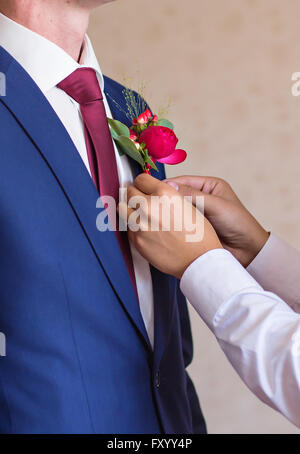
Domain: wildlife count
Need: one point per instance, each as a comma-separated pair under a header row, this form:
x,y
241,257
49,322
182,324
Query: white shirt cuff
x,y
213,279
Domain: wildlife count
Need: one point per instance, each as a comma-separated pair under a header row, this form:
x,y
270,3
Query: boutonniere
x,y
150,139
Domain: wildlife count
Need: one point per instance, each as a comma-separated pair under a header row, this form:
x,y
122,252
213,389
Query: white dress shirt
x,y
48,64
253,314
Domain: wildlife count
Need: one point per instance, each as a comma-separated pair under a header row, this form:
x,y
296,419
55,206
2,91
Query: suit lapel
x,y
163,285
40,122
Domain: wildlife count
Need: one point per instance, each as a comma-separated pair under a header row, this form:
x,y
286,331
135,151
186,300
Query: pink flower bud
x,y
133,135
142,119
148,114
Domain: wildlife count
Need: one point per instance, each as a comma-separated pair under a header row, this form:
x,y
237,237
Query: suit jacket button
x,y
157,379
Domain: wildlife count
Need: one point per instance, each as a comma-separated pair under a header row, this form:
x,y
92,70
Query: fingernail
x,y
173,184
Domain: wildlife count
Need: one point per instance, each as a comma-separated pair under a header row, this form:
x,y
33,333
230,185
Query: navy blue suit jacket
x,y
78,355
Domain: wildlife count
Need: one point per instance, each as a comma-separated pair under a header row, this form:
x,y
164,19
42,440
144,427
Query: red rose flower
x,y
161,145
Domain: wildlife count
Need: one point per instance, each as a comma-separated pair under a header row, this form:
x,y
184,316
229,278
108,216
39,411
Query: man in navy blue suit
x,y
97,341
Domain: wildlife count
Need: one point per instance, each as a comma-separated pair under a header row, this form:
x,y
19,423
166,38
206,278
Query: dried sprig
x,y
135,98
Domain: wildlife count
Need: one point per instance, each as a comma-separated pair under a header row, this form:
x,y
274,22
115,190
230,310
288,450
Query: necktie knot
x,y
82,85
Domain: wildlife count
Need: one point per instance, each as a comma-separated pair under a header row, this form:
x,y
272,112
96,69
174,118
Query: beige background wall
x,y
226,65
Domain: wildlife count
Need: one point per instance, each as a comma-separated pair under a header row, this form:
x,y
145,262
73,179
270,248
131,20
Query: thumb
x,y
211,202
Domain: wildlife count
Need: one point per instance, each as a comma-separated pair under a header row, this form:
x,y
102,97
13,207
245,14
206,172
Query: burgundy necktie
x,y
83,86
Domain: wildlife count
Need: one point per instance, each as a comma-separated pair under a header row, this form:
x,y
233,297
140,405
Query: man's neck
x,y
57,20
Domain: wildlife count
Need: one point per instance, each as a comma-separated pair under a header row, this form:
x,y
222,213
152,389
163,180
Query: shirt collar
x,y
44,61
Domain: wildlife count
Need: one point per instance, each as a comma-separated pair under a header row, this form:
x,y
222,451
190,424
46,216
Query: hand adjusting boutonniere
x,y
149,140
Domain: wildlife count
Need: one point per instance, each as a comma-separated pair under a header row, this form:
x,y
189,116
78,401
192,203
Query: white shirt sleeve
x,y
258,331
277,269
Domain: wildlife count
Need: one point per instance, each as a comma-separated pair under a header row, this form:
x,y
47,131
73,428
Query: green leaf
x,y
118,128
165,123
114,134
127,146
148,160
151,163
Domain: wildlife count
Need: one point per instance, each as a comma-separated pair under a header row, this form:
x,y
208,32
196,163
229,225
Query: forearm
x,y
258,332
277,269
